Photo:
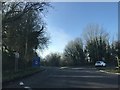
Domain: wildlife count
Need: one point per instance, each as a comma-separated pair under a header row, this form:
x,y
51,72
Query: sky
x,y
67,20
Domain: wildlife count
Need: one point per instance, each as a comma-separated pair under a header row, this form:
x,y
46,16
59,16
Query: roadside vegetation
x,y
113,70
11,75
94,46
24,31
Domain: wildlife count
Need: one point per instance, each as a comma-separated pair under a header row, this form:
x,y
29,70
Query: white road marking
x,y
68,76
29,88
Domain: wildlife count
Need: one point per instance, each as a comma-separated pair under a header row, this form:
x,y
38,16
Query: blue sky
x,y
67,20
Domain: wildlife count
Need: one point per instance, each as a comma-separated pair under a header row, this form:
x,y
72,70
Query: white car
x,y
100,63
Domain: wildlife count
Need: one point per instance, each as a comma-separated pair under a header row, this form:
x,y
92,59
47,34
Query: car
x,y
100,64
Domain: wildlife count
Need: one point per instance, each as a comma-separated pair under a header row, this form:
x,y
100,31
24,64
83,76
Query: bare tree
x,y
96,41
92,31
74,52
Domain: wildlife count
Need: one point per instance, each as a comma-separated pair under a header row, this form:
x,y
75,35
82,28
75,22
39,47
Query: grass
x,y
113,70
11,75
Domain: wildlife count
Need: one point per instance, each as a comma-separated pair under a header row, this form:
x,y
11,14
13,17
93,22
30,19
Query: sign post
x,y
16,61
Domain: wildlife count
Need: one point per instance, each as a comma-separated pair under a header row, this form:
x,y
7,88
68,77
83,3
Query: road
x,y
69,77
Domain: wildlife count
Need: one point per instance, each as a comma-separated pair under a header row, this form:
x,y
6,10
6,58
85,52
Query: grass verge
x,y
113,70
11,75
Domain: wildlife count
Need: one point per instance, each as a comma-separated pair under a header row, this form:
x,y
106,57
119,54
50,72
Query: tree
x,y
74,52
13,11
53,59
96,42
117,52
24,28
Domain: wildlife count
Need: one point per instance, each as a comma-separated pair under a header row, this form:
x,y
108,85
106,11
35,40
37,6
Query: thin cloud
x,y
59,38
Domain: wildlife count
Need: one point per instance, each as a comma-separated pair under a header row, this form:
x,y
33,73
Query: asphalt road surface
x,y
68,77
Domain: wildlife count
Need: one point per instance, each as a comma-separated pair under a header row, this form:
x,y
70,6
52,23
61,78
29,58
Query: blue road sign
x,y
36,62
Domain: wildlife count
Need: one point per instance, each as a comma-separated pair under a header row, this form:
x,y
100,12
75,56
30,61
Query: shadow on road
x,y
71,77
